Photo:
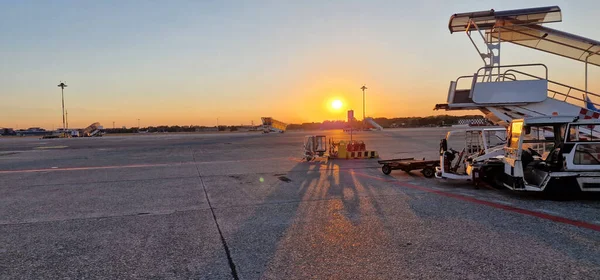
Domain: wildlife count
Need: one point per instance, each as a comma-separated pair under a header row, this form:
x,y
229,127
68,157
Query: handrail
x,y
473,76
513,72
513,65
567,95
504,76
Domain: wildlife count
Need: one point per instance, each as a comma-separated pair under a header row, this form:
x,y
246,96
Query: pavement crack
x,y
234,273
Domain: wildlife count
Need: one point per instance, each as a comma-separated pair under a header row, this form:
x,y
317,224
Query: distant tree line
x,y
440,120
173,128
431,121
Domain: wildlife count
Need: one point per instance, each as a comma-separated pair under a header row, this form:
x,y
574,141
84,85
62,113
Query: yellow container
x,y
342,150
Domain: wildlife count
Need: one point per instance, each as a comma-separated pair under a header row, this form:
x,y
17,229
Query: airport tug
x,y
555,154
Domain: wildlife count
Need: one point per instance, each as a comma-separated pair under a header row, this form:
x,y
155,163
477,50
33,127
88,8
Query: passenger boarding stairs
x,y
93,130
375,125
507,92
270,124
515,93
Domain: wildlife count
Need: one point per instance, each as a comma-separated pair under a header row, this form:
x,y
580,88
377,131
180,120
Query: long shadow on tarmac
x,y
324,219
268,236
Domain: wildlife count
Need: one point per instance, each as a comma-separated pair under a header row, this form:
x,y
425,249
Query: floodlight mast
x,y
62,87
363,91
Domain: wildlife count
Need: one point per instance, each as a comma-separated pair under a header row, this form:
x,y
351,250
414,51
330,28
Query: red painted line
x,y
522,211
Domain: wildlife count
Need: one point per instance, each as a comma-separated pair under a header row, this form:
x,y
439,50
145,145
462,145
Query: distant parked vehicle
x,y
7,132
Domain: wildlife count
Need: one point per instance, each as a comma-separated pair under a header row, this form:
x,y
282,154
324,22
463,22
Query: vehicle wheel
x,y
428,172
308,158
386,169
476,182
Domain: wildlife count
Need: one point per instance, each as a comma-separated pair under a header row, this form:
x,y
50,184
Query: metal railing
x,y
511,74
473,79
508,66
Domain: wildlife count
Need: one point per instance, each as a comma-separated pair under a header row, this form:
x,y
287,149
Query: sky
x,y
191,62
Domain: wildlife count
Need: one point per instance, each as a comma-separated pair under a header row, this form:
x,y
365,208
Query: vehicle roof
x,y
557,120
547,120
587,121
478,128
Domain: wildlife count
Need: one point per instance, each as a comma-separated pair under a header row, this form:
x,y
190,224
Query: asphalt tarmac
x,y
245,206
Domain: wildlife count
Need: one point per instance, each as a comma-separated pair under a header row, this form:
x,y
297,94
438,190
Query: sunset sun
x,y
336,104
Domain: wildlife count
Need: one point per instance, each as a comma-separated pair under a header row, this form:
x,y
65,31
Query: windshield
x,y
583,133
495,137
540,139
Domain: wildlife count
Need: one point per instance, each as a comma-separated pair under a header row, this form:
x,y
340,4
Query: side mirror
x,y
443,145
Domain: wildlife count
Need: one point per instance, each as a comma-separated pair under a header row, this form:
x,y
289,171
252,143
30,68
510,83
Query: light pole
x,y
351,126
138,124
363,90
62,87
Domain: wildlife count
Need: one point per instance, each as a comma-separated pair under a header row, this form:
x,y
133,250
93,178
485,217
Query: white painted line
x,y
54,167
548,212
467,194
501,201
50,147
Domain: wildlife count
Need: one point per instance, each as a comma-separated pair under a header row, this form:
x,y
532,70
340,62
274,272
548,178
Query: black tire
x,y
428,172
386,169
476,180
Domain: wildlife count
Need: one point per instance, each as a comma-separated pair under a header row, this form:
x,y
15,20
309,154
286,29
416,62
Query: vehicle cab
x,y
553,154
464,149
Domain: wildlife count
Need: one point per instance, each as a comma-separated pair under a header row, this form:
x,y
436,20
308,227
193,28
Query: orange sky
x,y
166,65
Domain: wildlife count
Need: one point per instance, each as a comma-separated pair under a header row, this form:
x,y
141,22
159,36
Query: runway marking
x,y
467,194
501,201
496,205
55,168
548,211
50,147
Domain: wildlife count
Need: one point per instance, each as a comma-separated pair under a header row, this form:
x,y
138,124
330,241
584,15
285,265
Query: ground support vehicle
x,y
316,146
427,167
475,145
554,154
